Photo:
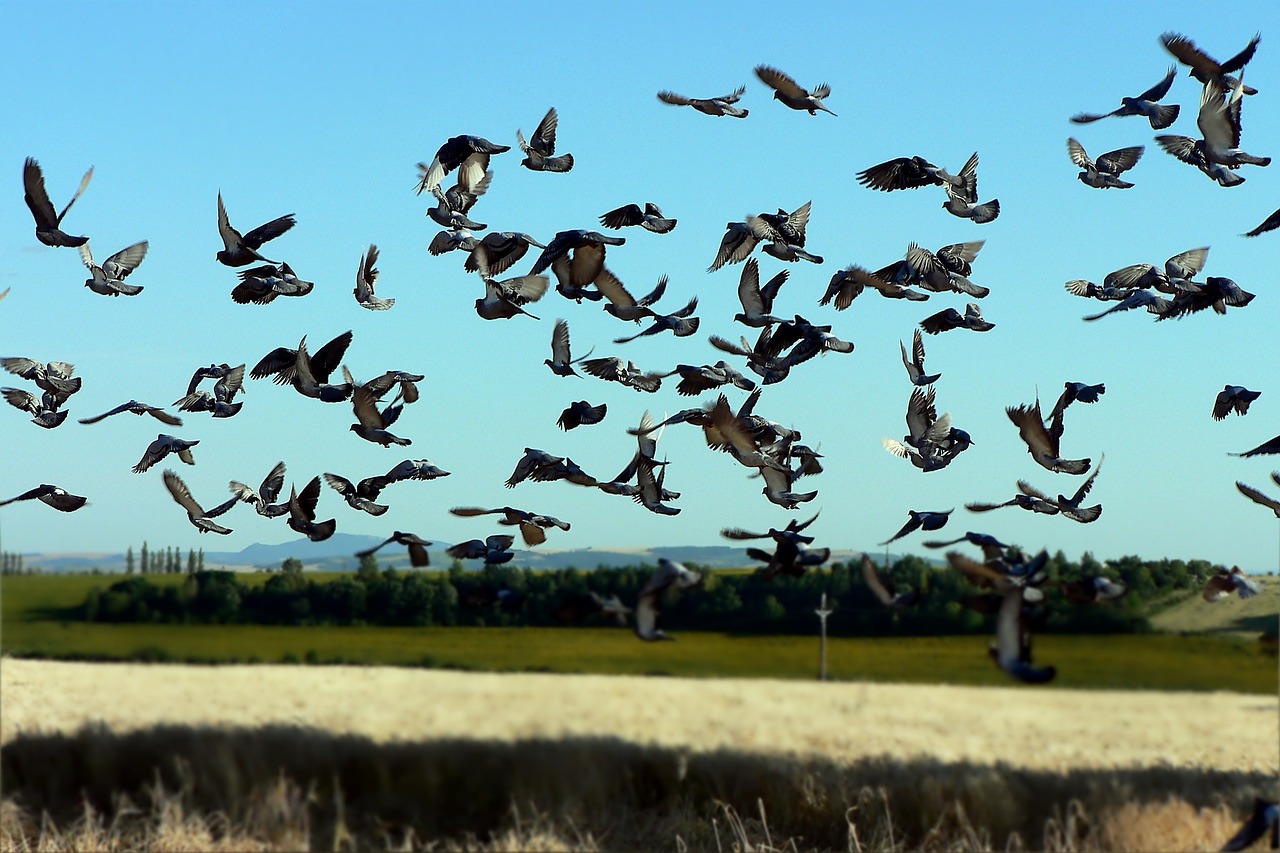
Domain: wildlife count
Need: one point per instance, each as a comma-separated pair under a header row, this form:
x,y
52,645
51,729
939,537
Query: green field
x,y
32,626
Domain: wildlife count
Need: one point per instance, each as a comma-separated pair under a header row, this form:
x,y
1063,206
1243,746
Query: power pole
x,y
823,613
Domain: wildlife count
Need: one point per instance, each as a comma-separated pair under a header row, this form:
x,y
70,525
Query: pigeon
x,y
585,250
1028,498
453,204
721,106
737,243
533,526
696,379
263,498
561,362
950,318
945,271
589,603
581,413
1101,292
884,590
45,407
1104,173
1218,152
261,285
48,223
619,301
222,401
1271,223
162,447
679,323
1042,442
1216,293
302,512
1073,392
498,252
415,469
372,423
468,153
848,284
1205,68
494,550
1012,647
197,515
1233,398
540,149
108,279
922,520
1258,497
964,203
455,237
366,279
418,557
1267,447
1154,303
137,408
240,250
54,496
915,362
1159,115
668,575
213,371
783,233
908,173
1222,584
1091,589
614,369
505,299
1070,507
380,385
651,218
54,377
1266,816
992,548
757,300
359,497
786,89
308,374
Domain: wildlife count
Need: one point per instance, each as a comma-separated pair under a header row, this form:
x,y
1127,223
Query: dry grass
x,y
115,757
1247,617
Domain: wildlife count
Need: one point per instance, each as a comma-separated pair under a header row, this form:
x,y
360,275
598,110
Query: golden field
x,y
282,756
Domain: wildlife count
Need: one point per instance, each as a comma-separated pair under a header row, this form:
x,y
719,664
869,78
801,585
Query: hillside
x,y
1232,615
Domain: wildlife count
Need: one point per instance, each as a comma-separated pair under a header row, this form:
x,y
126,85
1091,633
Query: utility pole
x,y
823,613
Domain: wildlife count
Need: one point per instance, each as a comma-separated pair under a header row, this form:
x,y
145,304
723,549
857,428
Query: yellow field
x,y
1233,615
612,762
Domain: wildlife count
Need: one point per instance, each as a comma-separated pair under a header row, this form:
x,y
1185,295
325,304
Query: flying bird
x,y
308,374
134,407
540,149
884,590
1012,647
494,550
1160,115
372,422
650,218
1076,392
263,498
366,279
1271,223
1267,447
581,413
302,512
242,249
162,447
1266,816
1104,173
915,362
197,515
1043,442
262,285
1233,398
757,300
950,318
48,223
222,401
533,526
584,250
468,153
1258,497
721,106
1222,584
561,361
786,89
1205,68
614,369
922,520
108,279
54,496
360,497
418,557
45,407
668,575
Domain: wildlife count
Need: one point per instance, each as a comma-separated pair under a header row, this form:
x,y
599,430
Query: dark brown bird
x,y
48,223
302,512
54,496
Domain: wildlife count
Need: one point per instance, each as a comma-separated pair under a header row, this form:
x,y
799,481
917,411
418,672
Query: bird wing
x,y
329,356
668,97
1120,160
544,137
1258,497
269,231
123,262
37,196
1077,153
181,493
1160,89
783,83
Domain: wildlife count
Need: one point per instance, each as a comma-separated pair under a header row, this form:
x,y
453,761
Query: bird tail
x,y
1164,115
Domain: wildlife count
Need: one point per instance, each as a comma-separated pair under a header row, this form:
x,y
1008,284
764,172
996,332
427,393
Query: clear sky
x,y
323,110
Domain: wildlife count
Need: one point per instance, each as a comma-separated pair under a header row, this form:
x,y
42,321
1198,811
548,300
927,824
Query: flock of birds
x,y
765,448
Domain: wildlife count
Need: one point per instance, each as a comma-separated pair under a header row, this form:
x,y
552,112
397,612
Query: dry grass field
x,y
118,756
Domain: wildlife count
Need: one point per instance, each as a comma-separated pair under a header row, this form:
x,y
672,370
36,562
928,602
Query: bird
x,y
406,382
134,407
585,251
48,223
1217,153
418,557
1159,115
222,401
907,173
915,362
582,605
696,379
1205,68
784,233
494,550
678,322
721,106
884,590
614,369
1012,647
366,279
581,413
1233,398
621,304
54,496
1104,173
950,318
415,469
786,89
922,520
498,251
54,377
263,498
1225,582
454,204
1216,293
1043,442
263,284
308,374
964,202
992,548
1271,223
1258,497
371,423
242,249
1154,303
648,610
848,284
108,279
947,270
162,447
757,300
1028,498
45,407
197,515
1070,507
360,496
1076,392
1266,816
561,361
1267,447
465,152
533,526
1091,589
650,218
540,149
735,246
302,512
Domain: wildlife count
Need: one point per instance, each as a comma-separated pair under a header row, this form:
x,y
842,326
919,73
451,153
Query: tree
x,y
191,561
291,566
368,570
145,563
128,561
200,560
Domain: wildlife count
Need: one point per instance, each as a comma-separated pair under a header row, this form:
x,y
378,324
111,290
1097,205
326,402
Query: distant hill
x,y
1232,615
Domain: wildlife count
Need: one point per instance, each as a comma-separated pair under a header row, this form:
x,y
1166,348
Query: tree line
x,y
726,601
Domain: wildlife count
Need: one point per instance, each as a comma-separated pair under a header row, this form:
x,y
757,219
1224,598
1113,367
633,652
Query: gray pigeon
x,y
721,106
242,249
1160,115
54,496
468,153
650,218
786,89
1104,173
367,279
162,447
48,222
540,149
1233,398
108,279
201,518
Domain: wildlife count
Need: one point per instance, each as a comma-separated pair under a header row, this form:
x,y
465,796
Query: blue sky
x,y
323,110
